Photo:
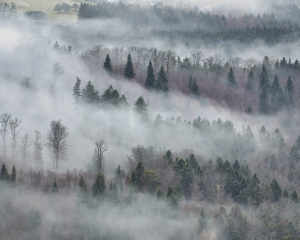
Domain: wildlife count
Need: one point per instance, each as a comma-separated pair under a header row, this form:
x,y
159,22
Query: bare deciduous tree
x,y
197,57
56,72
25,148
56,142
14,124
142,154
101,147
38,150
4,120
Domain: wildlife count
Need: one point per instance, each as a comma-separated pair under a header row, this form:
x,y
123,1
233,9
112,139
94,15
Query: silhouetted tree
x,y
129,70
107,65
150,79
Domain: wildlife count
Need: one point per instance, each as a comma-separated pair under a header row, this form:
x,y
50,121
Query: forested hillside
x,y
149,121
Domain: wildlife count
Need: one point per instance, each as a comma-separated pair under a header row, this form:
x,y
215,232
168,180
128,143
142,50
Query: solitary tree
x,y
150,79
107,65
101,147
129,70
56,142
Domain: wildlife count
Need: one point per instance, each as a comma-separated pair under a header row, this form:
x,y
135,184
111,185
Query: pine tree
x,y
250,83
276,191
150,79
289,92
295,154
83,191
294,196
107,65
190,84
195,89
54,187
76,89
13,175
285,194
264,105
90,95
274,93
129,70
264,79
141,108
4,173
280,100
162,80
231,78
99,186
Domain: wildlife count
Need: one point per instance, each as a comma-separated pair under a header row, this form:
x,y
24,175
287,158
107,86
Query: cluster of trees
x,y
65,7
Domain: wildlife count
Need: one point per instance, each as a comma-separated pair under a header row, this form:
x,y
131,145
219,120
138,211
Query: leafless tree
x,y
142,154
14,124
197,57
56,142
38,150
101,147
56,72
4,120
170,57
25,148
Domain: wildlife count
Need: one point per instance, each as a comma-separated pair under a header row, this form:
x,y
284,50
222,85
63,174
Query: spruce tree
x,y
250,83
280,99
150,79
13,175
162,80
295,154
99,186
285,194
289,92
190,84
276,191
294,196
129,70
159,194
264,105
264,79
195,89
141,108
4,172
76,89
54,187
90,95
274,93
231,78
83,191
107,65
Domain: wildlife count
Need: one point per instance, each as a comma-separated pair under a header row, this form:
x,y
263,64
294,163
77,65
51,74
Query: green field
x,y
46,6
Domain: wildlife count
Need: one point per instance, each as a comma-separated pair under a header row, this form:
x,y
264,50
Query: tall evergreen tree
x,y
276,191
99,186
150,79
4,172
294,196
76,89
231,78
195,89
264,79
140,107
289,92
107,65
13,175
190,84
129,70
250,83
162,80
264,105
89,94
274,93
54,187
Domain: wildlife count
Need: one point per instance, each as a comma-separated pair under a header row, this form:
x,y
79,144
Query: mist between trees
x,y
150,122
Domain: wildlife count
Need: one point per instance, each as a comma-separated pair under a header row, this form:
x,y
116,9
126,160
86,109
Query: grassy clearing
x,y
46,6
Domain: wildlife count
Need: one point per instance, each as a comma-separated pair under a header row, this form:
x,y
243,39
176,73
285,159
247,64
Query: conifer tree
x,y
162,80
4,172
276,191
264,79
285,194
76,89
99,186
250,83
195,89
150,79
129,70
54,187
13,175
90,95
159,194
231,78
141,108
83,191
139,170
294,196
294,154
289,92
264,105
107,65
